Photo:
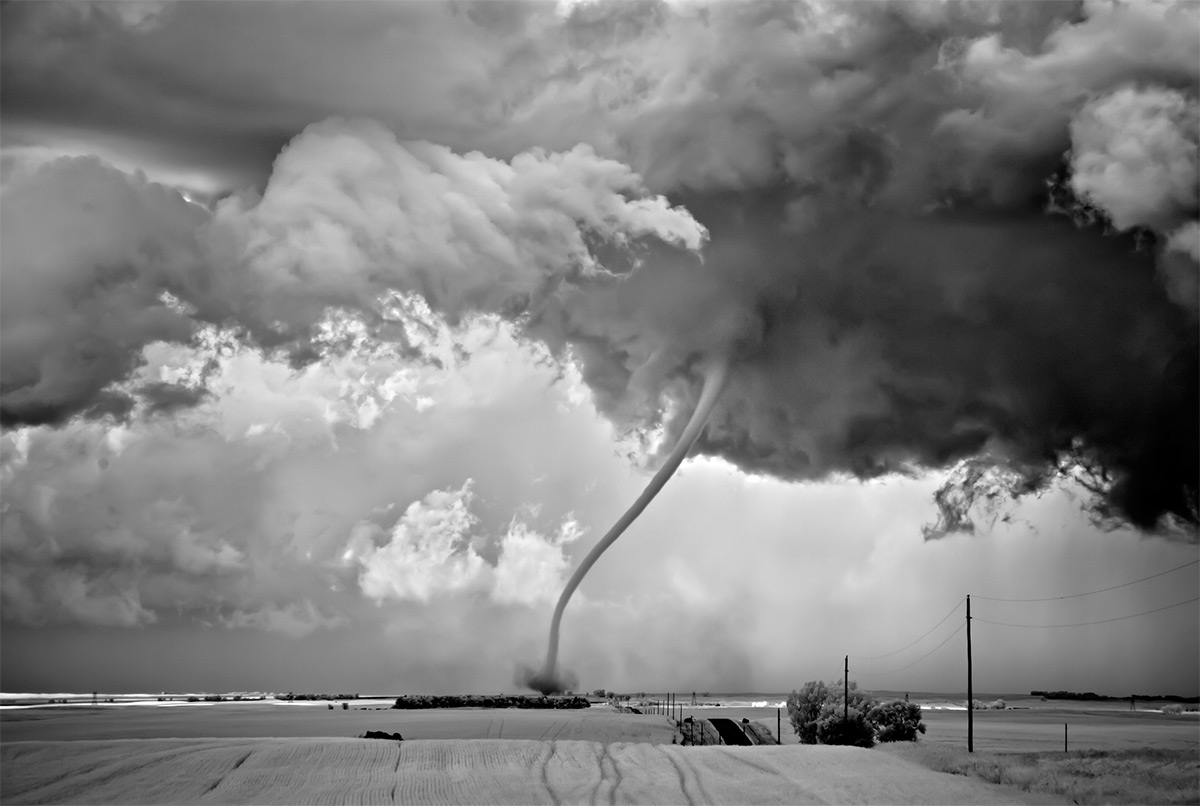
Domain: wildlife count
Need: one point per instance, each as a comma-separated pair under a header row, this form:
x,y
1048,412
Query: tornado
x,y
548,680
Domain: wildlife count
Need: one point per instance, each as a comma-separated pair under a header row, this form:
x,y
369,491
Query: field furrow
x,y
330,771
445,772
647,775
571,773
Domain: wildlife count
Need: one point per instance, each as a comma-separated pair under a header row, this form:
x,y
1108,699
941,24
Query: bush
x,y
804,708
818,714
896,721
1173,708
847,728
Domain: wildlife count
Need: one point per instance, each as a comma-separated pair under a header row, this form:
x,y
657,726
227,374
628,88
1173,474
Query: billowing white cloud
x,y
430,552
240,509
532,568
427,552
1134,154
99,264
350,213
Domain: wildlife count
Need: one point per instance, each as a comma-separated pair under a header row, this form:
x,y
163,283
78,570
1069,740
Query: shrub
x,y
818,714
836,726
804,708
1173,708
896,721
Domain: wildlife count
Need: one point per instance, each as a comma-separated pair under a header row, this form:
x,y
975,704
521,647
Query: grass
x,y
1143,776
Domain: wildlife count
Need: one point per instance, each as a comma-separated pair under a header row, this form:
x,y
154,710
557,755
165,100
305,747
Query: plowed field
x,y
435,772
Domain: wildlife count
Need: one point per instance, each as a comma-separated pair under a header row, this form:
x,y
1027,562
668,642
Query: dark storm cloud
x,y
87,252
226,85
930,340
165,398
873,176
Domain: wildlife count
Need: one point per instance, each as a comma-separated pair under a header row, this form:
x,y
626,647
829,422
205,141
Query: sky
x,y
334,334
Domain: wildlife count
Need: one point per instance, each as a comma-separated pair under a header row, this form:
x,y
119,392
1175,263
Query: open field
x,y
265,752
257,720
164,771
1136,776
1000,731
1032,730
1022,731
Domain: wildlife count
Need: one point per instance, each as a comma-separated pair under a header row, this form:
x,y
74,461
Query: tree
x,y
896,721
804,708
824,713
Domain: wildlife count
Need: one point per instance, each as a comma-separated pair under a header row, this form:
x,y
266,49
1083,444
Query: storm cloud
x,y
932,237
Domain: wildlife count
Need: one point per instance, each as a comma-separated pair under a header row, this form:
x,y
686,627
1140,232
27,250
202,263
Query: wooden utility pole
x,y
970,686
846,692
779,725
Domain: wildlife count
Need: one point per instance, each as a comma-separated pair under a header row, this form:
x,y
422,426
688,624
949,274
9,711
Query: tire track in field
x,y
395,774
741,759
97,774
682,780
593,799
226,774
546,774
606,760
562,725
696,777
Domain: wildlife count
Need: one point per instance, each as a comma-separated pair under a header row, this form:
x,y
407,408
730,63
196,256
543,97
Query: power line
x,y
901,649
1089,593
1086,623
923,657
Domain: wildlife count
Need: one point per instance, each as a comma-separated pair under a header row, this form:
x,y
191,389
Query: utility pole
x,y
846,692
970,686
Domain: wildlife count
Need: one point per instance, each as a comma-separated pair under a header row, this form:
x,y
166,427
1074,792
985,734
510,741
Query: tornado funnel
x,y
548,680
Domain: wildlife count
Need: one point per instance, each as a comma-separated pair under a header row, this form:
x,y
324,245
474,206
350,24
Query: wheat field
x,y
436,772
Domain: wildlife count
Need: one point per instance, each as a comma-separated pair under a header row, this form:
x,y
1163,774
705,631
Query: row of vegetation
x,y
1092,696
826,713
419,701
290,696
213,698
641,695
